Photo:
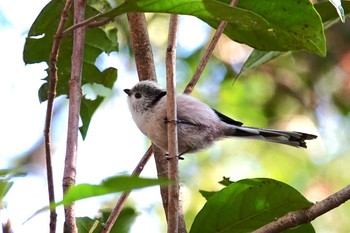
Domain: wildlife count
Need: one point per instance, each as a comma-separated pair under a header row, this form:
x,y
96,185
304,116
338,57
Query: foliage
x,y
247,204
98,40
251,22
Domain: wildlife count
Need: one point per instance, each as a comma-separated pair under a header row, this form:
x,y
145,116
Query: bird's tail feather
x,y
291,138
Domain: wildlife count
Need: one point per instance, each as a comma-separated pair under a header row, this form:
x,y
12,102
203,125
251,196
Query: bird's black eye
x,y
138,95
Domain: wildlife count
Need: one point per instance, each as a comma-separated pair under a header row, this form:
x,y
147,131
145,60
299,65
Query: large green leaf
x,y
108,186
263,24
247,205
329,17
98,40
295,24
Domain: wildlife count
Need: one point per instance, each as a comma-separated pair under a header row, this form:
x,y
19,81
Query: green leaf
x,y
108,186
207,194
263,24
295,25
88,107
98,40
4,188
247,205
226,181
6,174
257,58
5,184
329,17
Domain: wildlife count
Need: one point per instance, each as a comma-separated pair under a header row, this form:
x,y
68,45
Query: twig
x,y
49,110
208,52
74,112
87,23
121,201
173,198
300,217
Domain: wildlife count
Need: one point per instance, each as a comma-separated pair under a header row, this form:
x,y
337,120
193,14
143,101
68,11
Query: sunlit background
x,y
295,92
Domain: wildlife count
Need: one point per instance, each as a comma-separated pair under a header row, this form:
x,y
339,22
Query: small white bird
x,y
198,124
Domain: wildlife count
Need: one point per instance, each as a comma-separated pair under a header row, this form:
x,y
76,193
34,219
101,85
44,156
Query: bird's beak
x,y
127,91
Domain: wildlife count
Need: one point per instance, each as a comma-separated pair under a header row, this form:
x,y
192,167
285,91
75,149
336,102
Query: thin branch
x,y
173,198
86,23
300,217
49,110
208,52
121,201
74,112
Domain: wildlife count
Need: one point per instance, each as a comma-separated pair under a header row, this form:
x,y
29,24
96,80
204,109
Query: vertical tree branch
x,y
208,52
146,71
74,112
173,198
141,47
49,110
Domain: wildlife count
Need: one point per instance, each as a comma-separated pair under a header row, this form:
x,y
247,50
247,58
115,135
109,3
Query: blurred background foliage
x,y
297,91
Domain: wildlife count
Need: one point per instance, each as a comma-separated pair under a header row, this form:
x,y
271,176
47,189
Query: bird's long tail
x,y
291,138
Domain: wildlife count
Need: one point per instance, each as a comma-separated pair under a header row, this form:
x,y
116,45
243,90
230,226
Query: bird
x,y
198,125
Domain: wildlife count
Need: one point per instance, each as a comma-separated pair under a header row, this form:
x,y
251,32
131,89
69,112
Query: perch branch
x,y
208,52
49,110
74,112
173,198
146,70
296,218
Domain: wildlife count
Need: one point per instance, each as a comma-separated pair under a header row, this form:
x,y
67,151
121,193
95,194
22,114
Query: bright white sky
x,y
22,120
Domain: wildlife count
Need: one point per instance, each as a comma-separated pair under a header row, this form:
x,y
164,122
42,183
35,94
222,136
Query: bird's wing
x,y
227,119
